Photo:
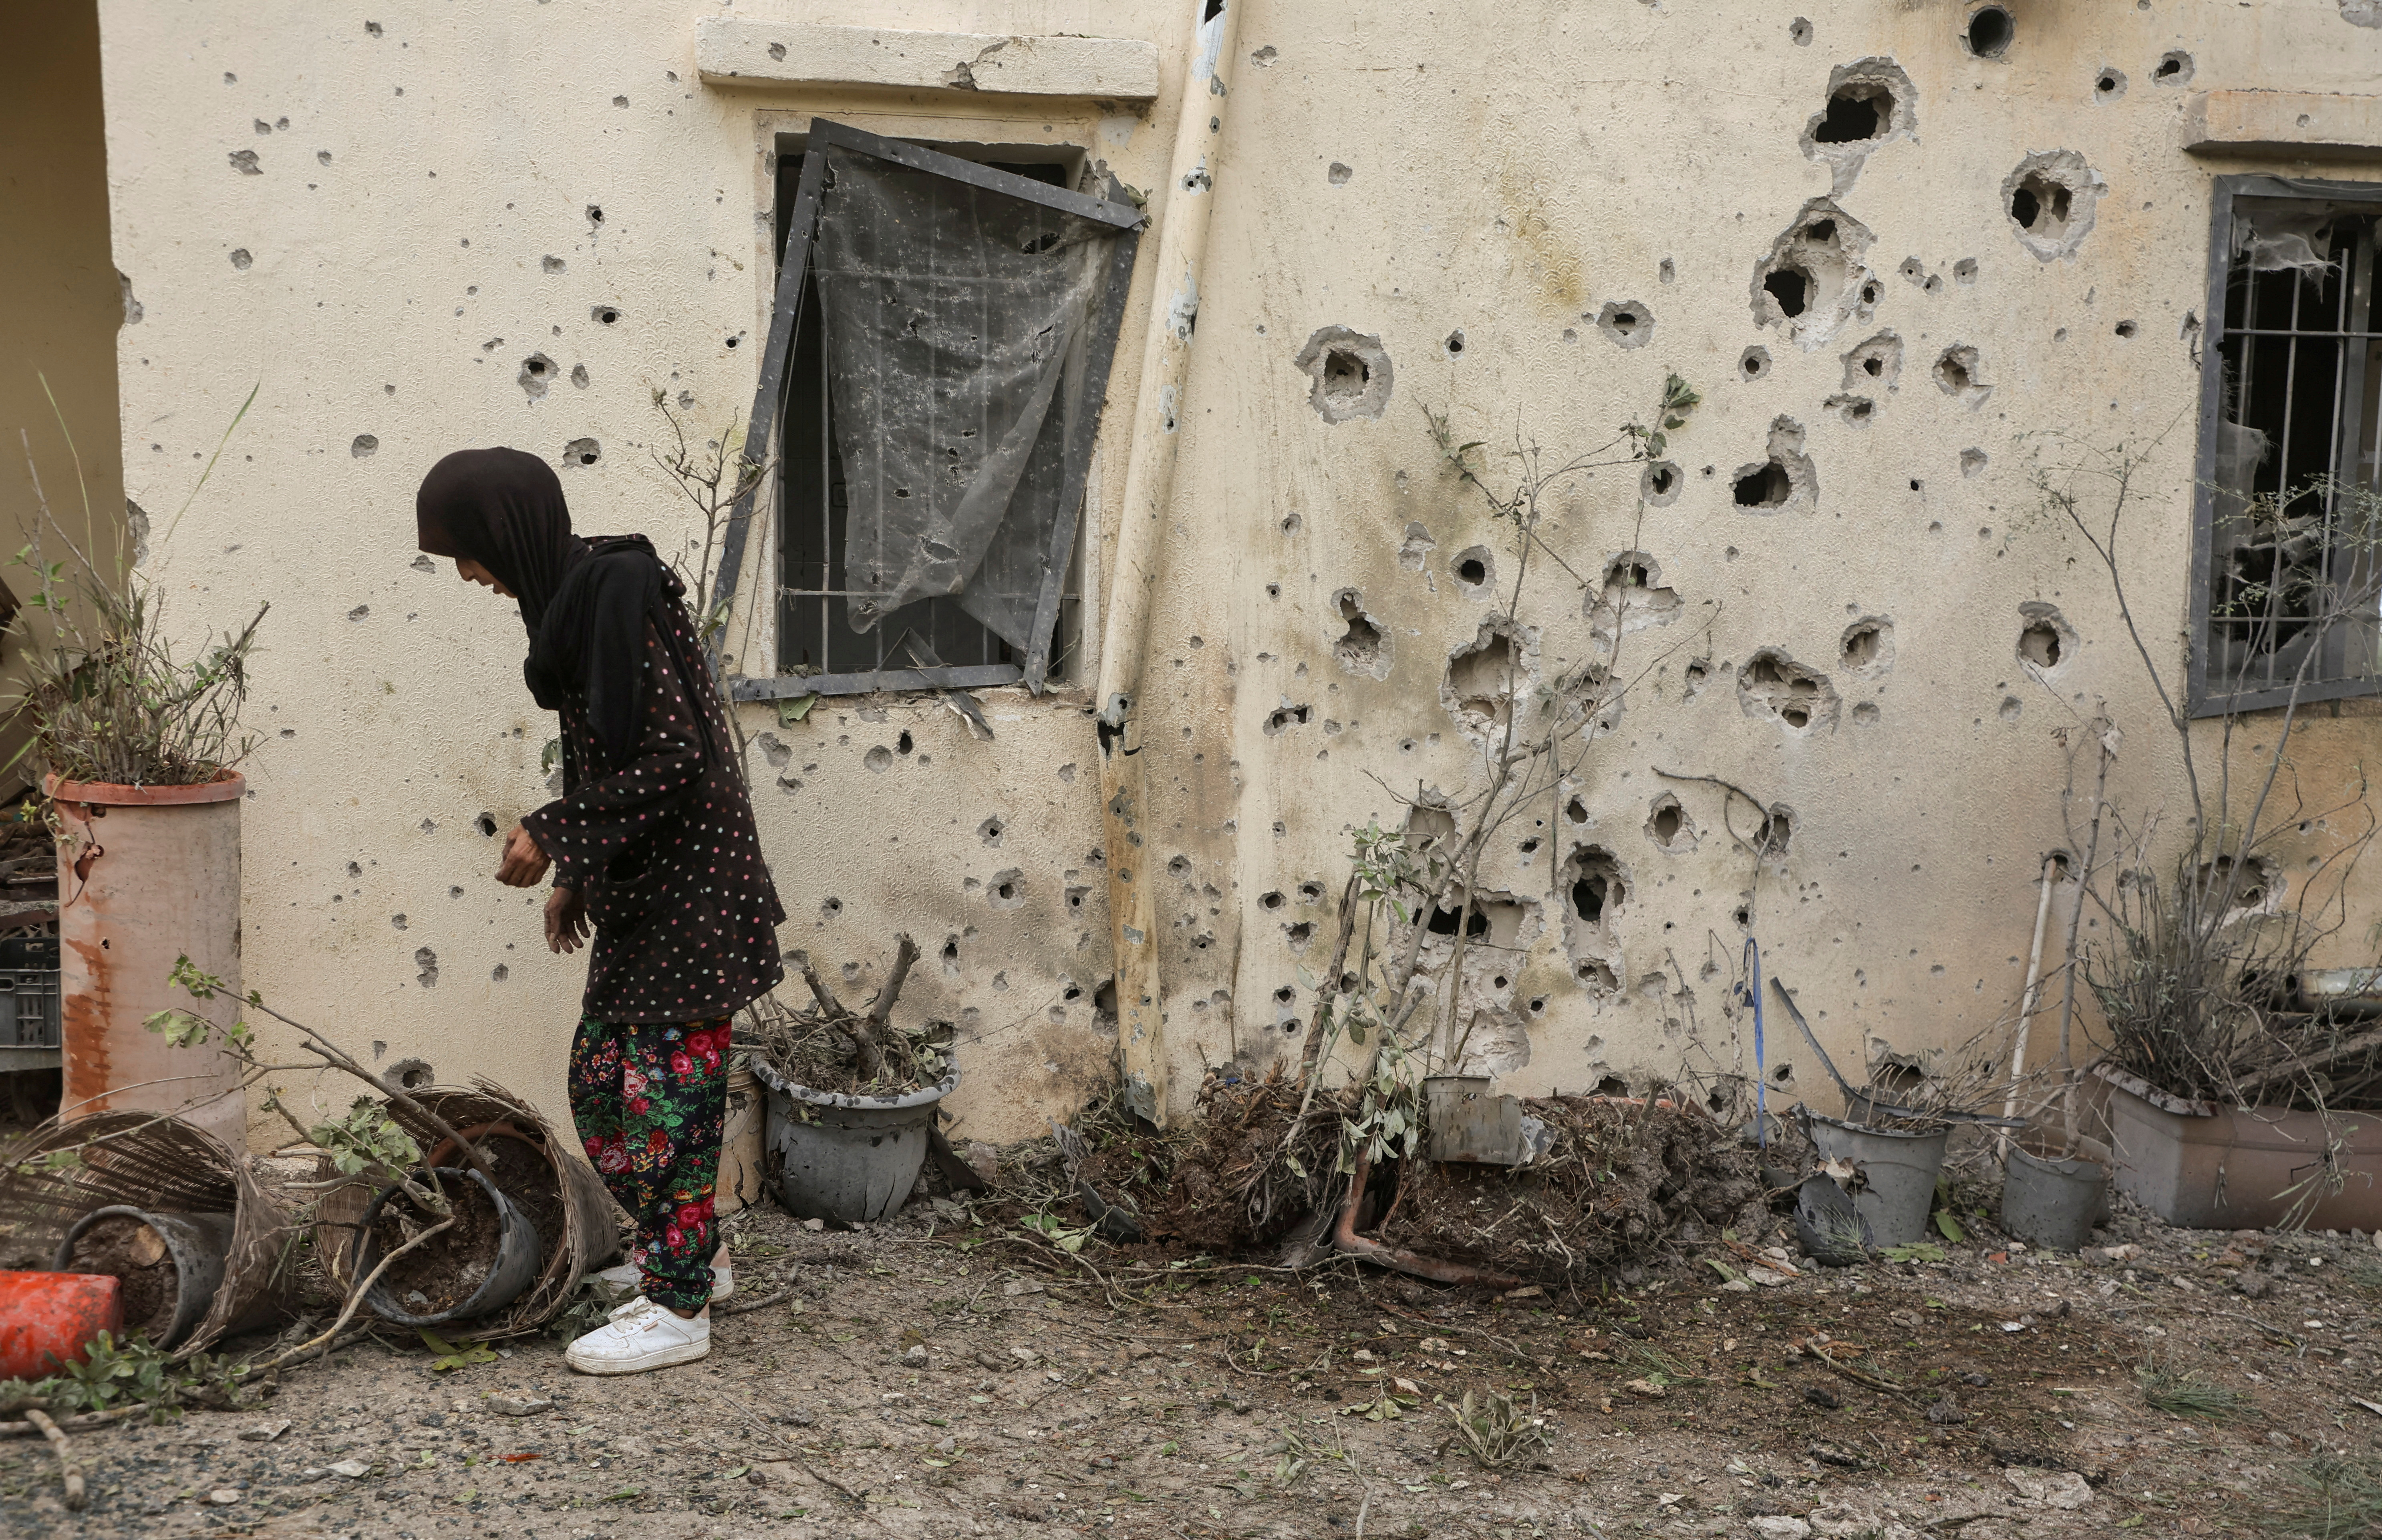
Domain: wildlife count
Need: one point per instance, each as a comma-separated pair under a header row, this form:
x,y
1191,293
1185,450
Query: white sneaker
x,y
628,1275
643,1337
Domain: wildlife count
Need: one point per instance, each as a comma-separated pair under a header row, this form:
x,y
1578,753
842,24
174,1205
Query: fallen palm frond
x,y
61,1171
2181,1393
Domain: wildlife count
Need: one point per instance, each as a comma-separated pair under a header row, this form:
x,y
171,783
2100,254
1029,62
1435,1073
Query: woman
x,y
652,843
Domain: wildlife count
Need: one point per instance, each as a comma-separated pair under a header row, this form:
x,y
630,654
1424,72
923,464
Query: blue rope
x,y
1750,988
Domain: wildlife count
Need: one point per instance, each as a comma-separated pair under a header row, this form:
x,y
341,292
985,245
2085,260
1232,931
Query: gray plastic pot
x,y
514,1269
197,1242
2053,1200
844,1158
1894,1174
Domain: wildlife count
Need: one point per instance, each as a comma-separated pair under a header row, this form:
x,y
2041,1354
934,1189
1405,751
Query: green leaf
x,y
793,711
1950,1226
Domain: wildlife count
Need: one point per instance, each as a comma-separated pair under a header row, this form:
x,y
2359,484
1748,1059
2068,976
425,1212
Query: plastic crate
x,y
29,991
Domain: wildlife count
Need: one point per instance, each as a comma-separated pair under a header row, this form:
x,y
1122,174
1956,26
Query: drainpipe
x,y
1148,486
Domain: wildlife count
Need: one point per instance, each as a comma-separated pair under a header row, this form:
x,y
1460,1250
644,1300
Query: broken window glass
x,y
2290,496
936,365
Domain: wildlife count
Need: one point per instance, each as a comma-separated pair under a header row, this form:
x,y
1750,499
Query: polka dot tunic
x,y
663,850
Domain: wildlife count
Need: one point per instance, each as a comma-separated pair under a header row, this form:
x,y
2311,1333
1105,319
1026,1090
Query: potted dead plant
x,y
138,739
852,1097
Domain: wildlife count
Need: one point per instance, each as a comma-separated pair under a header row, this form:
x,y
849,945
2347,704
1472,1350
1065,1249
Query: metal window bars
x,y
2285,556
946,649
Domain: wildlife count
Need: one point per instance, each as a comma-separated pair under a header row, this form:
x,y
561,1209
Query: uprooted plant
x,y
2192,977
831,1047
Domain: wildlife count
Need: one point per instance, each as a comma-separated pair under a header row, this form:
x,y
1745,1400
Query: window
x,y
2285,568
931,386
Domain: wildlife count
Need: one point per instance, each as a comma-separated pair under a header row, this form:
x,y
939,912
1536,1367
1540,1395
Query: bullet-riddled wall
x,y
1839,590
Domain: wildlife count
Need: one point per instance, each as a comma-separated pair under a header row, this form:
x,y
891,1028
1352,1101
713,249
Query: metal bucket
x,y
2052,1200
196,1242
514,1269
1894,1174
842,1159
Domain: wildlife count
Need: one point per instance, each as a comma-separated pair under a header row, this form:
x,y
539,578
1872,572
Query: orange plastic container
x,y
46,1318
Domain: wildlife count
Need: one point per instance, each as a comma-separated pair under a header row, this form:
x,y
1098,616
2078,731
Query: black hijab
x,y
584,603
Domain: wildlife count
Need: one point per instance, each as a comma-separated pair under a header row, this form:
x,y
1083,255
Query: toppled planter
x,y
2209,1167
169,1266
475,1269
160,1168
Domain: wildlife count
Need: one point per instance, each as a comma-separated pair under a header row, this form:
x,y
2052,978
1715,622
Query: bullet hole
x,y
1285,995
1743,916
1576,811
363,444
1957,371
1866,714
1417,548
1339,175
536,375
1774,685
240,260
1668,826
905,743
1300,935
1271,901
1776,833
1813,278
1363,647
1852,115
1786,477
359,612
1868,647
1856,411
426,962
397,921
1274,590
1783,1075
2010,708
1427,826
1291,523
605,315
2126,329
1481,680
735,340
1633,597
1964,271
244,162
830,906
1455,343
2053,198
620,101
1971,461
2174,68
1693,680
1875,364
1791,287
2241,885
500,973
1283,718
992,828
2109,85
1754,362
1659,484
1627,322
1868,105
1593,880
1475,569
413,1074
1178,866
1667,272
2046,639
1989,33
582,451
1443,920
1350,375
878,759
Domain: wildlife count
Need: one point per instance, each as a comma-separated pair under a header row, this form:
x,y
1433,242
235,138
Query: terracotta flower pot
x,y
145,874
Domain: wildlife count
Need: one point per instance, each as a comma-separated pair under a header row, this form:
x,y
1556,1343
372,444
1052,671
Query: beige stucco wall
x,y
1510,170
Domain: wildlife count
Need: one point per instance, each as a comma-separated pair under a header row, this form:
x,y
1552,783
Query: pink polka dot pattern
x,y
663,850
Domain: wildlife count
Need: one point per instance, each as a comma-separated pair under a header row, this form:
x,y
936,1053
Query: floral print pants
x,y
648,1098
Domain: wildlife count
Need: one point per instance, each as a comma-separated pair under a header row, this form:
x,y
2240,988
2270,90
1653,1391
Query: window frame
x,y
2201,700
769,394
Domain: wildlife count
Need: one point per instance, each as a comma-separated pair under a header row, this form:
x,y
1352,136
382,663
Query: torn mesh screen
x,y
955,319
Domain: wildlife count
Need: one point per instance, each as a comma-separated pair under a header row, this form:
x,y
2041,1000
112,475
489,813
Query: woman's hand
x,y
524,866
566,920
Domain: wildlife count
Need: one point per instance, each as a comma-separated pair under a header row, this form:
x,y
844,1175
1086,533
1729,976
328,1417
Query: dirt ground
x,y
932,1377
